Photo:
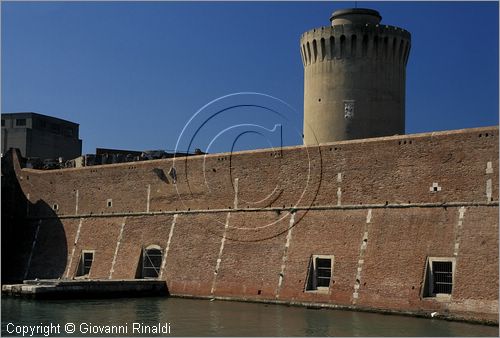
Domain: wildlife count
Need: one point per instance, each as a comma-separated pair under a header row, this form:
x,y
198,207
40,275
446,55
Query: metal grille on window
x,y
319,273
323,272
151,263
439,277
442,277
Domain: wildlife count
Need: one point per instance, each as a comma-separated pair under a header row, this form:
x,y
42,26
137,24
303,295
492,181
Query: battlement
x,y
383,43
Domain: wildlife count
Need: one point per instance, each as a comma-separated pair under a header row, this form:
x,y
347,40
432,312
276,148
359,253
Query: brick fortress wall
x,y
245,225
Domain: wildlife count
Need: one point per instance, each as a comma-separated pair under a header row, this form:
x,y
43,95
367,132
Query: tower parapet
x,y
354,78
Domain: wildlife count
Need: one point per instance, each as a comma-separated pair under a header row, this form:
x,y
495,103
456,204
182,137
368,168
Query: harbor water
x,y
161,316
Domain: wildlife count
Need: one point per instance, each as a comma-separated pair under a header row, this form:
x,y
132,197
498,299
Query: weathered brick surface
x,y
332,232
252,255
331,190
138,233
99,235
193,253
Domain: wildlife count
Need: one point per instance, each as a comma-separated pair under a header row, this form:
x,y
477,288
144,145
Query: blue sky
x,y
133,74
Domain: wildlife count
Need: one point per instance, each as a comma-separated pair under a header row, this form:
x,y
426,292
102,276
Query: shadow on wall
x,y
31,248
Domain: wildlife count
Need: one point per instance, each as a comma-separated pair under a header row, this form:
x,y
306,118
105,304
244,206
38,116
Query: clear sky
x,y
133,74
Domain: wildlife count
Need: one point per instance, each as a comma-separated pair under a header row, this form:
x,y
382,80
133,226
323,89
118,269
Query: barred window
x,y
439,277
152,257
443,277
320,273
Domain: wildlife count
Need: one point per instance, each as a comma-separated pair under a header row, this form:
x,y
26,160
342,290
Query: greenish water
x,y
190,317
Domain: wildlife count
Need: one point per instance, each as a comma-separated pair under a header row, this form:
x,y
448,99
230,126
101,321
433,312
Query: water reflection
x,y
188,317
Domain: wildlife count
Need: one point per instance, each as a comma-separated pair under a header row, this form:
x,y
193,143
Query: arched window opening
x,y
353,45
386,47
332,47
394,46
309,52
375,46
315,51
323,49
152,257
342,46
364,47
400,55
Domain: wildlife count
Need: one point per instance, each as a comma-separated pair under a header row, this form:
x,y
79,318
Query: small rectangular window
x,y
320,273
439,277
3,123
85,265
20,122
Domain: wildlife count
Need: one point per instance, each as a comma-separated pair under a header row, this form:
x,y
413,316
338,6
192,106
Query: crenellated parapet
x,y
380,42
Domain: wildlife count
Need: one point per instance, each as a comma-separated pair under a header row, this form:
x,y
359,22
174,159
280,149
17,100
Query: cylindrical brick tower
x,y
354,78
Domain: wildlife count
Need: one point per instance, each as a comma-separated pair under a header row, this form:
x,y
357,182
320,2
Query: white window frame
x,y
314,271
81,264
429,278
